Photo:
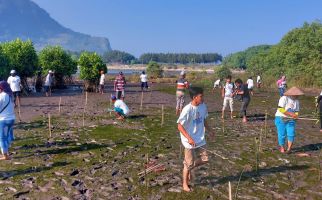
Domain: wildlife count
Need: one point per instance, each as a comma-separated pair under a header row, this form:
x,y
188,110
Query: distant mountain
x,y
26,20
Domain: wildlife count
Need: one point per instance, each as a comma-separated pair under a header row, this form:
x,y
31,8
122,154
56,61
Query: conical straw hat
x,y
294,91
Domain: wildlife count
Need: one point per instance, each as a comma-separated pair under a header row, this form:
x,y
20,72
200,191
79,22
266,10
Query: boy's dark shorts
x,y
144,85
46,88
16,94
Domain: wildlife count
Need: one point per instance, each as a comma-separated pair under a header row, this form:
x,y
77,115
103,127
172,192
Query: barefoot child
x,y
120,108
227,94
192,124
287,112
243,93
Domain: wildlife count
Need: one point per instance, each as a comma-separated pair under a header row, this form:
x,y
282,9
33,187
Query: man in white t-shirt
x,y
217,84
144,81
259,81
192,125
102,82
15,85
250,85
120,108
227,94
49,82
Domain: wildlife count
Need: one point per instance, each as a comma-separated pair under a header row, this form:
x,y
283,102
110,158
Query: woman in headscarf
x,y
7,119
285,118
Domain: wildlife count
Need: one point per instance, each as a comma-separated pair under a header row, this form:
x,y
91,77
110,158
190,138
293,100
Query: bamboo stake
x,y
229,190
86,97
265,126
141,105
147,162
84,116
260,141
223,125
241,174
162,115
59,105
19,110
256,154
49,125
319,159
223,157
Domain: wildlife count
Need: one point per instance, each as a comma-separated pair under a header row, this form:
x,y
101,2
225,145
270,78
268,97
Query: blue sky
x,y
195,26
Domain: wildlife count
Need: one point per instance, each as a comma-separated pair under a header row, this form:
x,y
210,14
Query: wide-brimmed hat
x,y
294,91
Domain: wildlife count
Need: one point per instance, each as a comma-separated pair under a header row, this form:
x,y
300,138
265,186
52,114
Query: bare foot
x,y
5,158
186,189
282,150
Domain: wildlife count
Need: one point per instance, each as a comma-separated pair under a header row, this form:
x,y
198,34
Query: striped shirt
x,y
182,84
119,83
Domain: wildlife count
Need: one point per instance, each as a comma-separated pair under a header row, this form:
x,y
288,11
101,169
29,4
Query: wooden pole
x,y
265,127
229,190
110,107
86,97
19,110
256,154
260,141
147,163
49,124
141,105
84,116
59,105
223,125
162,115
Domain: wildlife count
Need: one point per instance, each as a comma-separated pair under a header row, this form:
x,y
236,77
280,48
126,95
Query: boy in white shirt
x,y
120,108
250,85
144,81
192,125
15,85
48,83
102,82
227,94
259,81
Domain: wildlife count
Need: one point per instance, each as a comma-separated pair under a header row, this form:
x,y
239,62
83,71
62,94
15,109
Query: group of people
x,y
192,121
237,90
192,118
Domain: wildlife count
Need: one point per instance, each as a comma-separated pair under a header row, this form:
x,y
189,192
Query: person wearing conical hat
x,y
285,118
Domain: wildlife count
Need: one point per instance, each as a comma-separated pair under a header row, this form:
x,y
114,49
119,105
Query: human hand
x,y
191,142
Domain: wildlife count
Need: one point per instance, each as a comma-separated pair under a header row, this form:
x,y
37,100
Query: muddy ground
x,y
89,155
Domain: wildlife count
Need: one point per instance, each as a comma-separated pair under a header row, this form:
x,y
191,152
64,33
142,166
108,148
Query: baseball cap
x,y
13,71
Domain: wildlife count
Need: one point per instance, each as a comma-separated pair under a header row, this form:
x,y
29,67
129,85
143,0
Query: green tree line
x,y
180,58
21,56
298,56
